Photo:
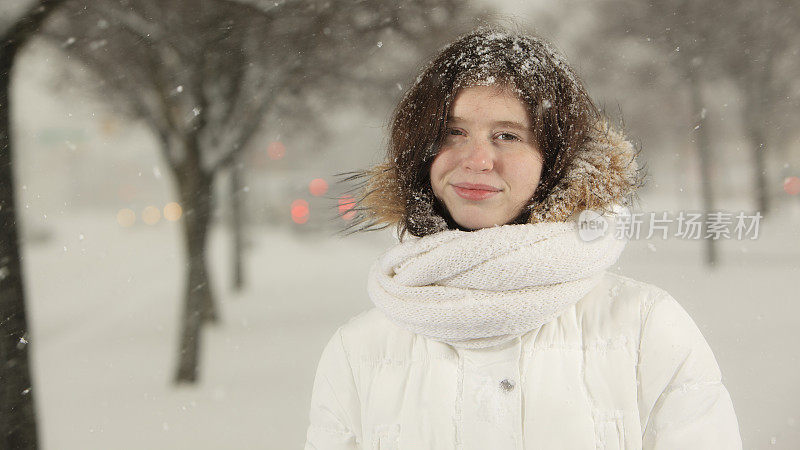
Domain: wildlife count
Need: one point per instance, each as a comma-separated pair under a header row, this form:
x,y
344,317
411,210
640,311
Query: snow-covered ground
x,y
104,303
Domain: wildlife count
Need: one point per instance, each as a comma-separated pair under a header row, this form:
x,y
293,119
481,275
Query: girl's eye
x,y
507,137
454,132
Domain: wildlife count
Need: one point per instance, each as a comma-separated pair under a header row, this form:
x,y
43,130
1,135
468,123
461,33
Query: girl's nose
x,y
479,157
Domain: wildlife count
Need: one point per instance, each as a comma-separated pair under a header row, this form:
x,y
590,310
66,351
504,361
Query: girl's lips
x,y
471,191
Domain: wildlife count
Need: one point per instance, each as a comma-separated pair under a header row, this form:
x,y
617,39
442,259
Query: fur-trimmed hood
x,y
604,172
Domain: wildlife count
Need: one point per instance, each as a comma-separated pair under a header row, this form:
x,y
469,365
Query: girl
x,y
497,324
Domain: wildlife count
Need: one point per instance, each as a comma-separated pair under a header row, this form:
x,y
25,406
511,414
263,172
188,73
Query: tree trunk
x,y
18,428
196,191
755,122
702,141
17,412
237,225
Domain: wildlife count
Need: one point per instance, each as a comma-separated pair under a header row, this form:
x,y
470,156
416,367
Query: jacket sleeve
x,y
682,401
335,406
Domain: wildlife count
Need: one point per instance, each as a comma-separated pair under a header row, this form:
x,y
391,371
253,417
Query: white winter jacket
x,y
624,368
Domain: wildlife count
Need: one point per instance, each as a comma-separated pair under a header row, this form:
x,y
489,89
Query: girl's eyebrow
x,y
501,123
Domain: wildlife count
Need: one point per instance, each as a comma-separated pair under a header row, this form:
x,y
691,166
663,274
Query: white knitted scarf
x,y
482,288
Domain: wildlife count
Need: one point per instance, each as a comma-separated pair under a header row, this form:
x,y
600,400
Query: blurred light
x,y
276,150
126,217
172,211
318,187
346,204
300,211
791,185
151,215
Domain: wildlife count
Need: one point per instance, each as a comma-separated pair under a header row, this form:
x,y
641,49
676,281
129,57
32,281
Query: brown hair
x,y
562,115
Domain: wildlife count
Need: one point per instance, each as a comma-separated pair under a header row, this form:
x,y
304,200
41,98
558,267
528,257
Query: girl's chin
x,y
476,223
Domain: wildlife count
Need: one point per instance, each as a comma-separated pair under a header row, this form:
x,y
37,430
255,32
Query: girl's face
x,y
489,164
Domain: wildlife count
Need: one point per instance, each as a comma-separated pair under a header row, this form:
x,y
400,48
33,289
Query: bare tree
x,y
17,413
682,30
203,75
752,45
756,46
